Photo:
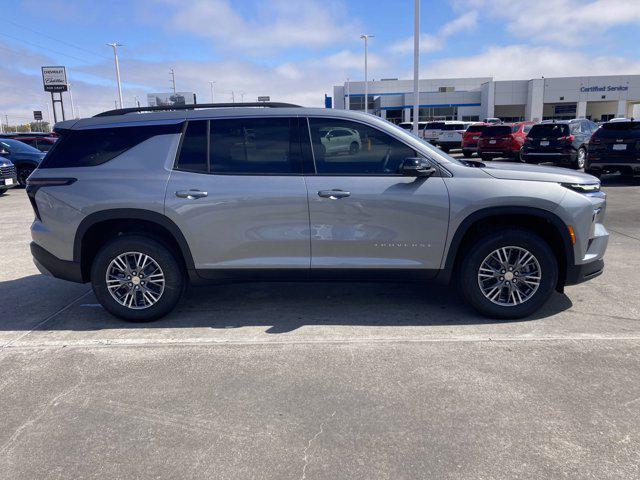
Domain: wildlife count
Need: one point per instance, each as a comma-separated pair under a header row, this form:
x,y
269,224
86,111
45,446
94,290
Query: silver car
x,y
139,204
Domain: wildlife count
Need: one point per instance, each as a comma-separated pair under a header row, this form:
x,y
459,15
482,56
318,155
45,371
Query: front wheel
x,y
137,278
3,191
508,274
23,174
354,148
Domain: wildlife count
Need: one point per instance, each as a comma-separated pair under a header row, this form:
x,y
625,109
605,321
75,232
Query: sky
x,y
296,50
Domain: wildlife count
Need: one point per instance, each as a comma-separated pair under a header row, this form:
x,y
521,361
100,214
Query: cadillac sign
x,y
54,79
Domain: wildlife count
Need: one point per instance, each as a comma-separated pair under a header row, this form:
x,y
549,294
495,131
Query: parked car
x,y
471,137
492,120
563,142
431,132
8,177
25,158
614,147
450,136
139,204
409,126
340,140
41,143
503,140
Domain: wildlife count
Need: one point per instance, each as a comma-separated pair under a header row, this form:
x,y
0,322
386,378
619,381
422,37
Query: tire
x,y
595,173
3,191
580,160
520,240
445,149
467,154
354,148
169,295
485,158
517,157
23,174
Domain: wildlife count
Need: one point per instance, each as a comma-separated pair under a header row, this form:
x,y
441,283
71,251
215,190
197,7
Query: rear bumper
x,y
538,157
13,182
496,152
453,144
629,164
49,264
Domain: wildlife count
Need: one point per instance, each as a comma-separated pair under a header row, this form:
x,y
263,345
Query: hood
x,y
536,173
28,156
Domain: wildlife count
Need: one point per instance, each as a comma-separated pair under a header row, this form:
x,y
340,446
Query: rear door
x,y
364,214
238,194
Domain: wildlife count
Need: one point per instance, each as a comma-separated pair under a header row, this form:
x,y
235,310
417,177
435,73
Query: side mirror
x,y
4,151
416,167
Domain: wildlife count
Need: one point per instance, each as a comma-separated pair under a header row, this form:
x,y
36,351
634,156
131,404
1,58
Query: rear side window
x,y
553,130
497,130
88,148
253,146
453,126
622,127
193,153
526,129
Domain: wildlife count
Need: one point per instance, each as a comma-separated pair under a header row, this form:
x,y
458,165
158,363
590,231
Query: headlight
x,y
590,189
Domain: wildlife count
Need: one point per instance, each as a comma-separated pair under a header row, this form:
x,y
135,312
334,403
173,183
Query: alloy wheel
x,y
135,280
509,276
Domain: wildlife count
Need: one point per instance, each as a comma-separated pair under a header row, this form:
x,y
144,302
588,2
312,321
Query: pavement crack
x,y
624,234
306,450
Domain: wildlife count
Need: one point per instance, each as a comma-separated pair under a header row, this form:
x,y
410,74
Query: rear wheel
x,y
485,158
3,191
580,160
137,278
354,148
467,154
509,273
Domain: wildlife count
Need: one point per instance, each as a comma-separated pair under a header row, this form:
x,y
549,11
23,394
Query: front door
x,y
238,195
363,213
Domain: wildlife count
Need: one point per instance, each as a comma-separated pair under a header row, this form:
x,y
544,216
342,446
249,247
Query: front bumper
x,y
581,273
49,264
8,182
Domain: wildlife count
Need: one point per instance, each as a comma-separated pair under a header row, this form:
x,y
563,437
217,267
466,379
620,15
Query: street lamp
x,y
115,46
366,38
211,82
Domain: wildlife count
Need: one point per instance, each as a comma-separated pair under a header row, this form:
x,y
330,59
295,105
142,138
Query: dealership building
x,y
598,98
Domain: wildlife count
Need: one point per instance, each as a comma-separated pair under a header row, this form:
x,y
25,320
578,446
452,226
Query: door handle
x,y
334,194
191,194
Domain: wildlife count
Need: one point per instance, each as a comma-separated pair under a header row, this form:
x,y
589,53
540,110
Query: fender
x,y
135,214
447,272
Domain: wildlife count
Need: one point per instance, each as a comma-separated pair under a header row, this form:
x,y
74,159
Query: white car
x,y
450,135
431,131
409,127
340,140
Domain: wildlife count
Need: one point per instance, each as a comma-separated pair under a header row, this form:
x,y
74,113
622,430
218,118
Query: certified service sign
x,y
54,79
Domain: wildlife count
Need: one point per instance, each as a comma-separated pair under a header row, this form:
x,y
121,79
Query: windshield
x,y
554,130
434,125
622,126
17,146
476,128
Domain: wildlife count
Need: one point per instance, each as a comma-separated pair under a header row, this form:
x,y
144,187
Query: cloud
x,y
521,62
565,22
433,43
280,24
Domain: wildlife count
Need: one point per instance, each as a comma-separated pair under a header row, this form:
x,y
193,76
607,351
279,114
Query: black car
x,y
8,177
25,158
615,147
563,142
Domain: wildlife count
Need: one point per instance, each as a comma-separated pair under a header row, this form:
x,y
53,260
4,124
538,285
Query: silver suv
x,y
141,204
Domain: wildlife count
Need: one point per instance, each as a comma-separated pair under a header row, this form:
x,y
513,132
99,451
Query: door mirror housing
x,y
4,151
416,167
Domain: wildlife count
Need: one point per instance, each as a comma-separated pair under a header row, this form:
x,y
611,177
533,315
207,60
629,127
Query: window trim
x,y
315,172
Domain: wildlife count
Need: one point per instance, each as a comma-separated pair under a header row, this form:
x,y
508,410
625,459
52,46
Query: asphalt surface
x,y
297,381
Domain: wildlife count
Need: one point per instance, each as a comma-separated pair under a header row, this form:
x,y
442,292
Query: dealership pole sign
x,y
54,79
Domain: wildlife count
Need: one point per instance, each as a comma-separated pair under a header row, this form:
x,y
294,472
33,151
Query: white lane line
x,y
191,341
50,317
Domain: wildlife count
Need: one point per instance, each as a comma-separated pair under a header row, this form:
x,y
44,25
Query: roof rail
x,y
162,108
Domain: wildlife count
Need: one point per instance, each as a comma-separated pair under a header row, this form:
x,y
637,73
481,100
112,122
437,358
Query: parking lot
x,y
321,380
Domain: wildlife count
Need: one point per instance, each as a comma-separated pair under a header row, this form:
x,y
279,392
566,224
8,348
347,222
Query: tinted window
x,y
252,146
476,128
494,131
453,126
622,126
406,126
193,152
366,151
87,148
16,146
434,125
527,129
552,130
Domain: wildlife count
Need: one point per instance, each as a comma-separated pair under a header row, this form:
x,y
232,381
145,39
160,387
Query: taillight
x,y
567,138
35,184
595,141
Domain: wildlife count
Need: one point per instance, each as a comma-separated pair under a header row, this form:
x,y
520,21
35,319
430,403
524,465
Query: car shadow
x,y
282,307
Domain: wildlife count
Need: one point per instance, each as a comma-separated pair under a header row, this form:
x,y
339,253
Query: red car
x,y
504,140
471,137
43,144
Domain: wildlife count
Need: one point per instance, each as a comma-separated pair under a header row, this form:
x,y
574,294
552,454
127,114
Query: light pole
x,y
73,107
416,66
366,38
211,82
173,80
115,46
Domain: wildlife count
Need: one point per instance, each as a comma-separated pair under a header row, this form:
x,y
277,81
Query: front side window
x,y
252,146
358,150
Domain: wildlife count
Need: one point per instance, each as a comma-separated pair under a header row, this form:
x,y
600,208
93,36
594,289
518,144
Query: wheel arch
x,y
543,222
97,228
